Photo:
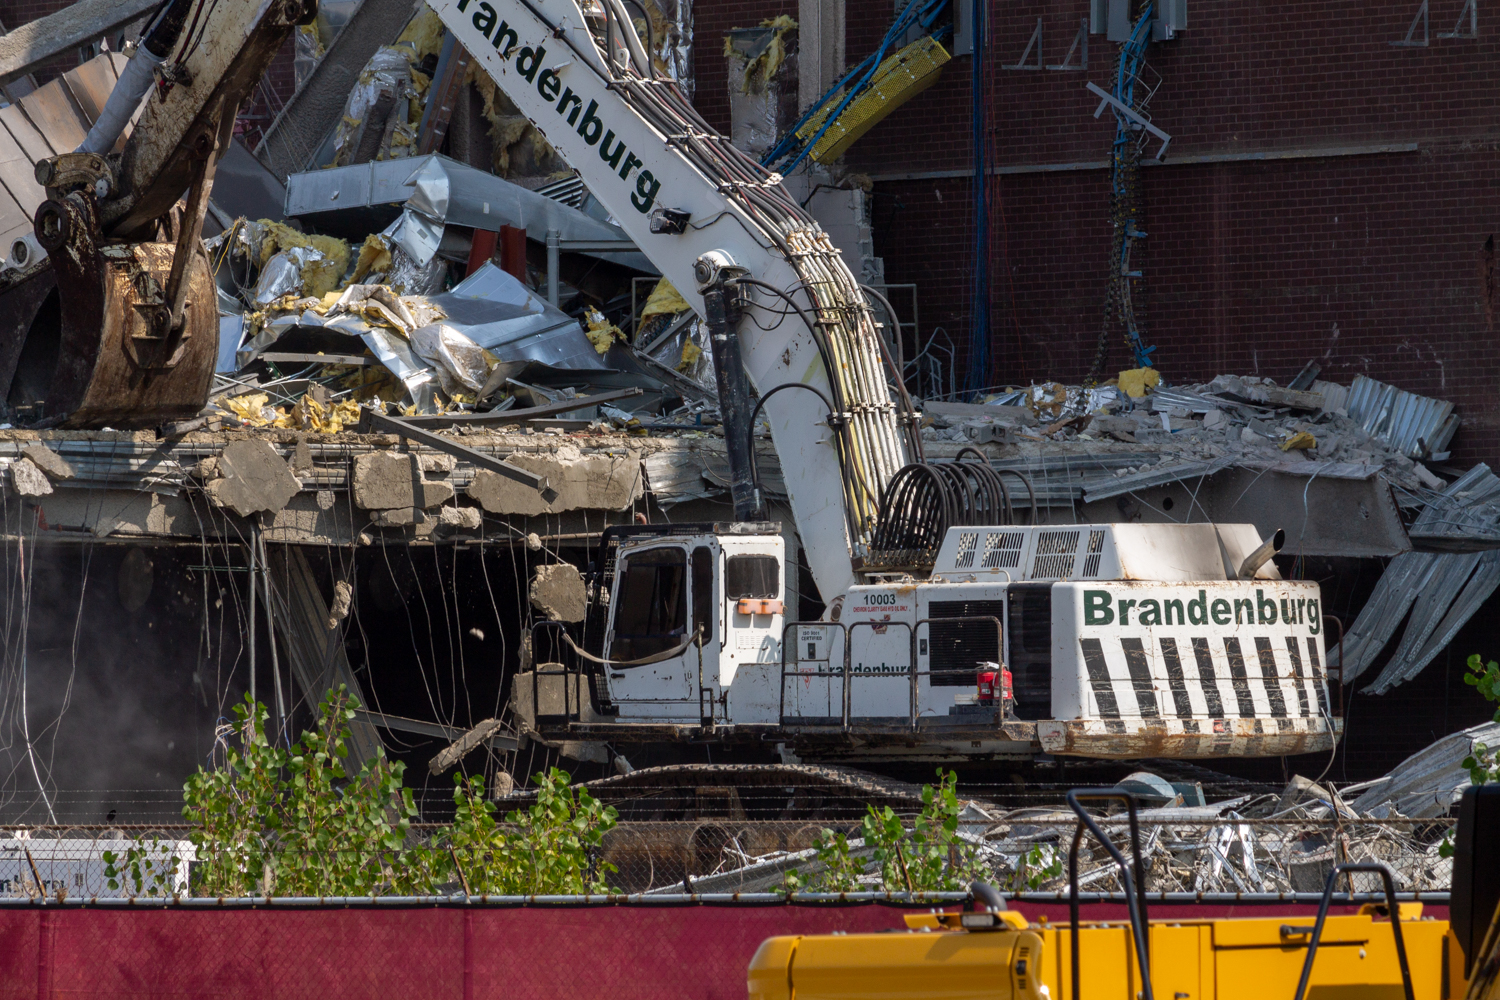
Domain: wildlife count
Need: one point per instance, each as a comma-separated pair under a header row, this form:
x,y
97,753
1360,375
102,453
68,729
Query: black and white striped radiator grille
x,y
1277,677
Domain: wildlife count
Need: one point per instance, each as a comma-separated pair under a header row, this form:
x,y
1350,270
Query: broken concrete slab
x,y
398,517
1016,415
557,592
600,482
385,480
461,517
302,460
54,465
254,478
29,480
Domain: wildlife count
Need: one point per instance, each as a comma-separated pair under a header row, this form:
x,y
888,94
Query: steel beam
x,y
40,40
314,111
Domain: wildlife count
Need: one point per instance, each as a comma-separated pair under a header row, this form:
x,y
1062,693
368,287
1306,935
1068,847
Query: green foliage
x,y
297,821
550,848
929,856
1038,866
1483,764
1485,677
142,870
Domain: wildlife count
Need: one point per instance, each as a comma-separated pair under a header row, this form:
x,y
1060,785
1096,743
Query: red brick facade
x,y
1370,263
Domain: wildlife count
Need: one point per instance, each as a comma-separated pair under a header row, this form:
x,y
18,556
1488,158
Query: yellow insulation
x,y
898,79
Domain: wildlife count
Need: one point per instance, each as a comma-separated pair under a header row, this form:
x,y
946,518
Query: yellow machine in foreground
x,y
996,953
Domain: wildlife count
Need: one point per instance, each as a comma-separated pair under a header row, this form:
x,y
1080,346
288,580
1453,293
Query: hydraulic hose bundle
x,y
828,299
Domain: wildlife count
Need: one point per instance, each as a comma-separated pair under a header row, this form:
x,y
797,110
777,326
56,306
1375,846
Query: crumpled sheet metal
x,y
438,341
1429,782
282,274
457,361
690,352
1468,511
1441,590
388,69
437,188
500,314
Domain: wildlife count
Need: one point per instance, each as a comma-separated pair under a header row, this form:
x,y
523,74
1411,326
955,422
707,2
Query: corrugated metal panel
x,y
1103,489
52,119
1442,590
1431,780
1468,510
1414,425
52,110
1403,579
1405,664
32,143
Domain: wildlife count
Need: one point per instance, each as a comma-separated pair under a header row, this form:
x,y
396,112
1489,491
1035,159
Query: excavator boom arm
x,y
709,216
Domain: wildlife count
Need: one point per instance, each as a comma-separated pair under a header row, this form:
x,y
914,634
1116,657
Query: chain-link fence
x,y
1025,851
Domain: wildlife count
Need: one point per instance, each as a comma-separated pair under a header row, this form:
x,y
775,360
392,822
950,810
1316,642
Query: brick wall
x,y
1368,263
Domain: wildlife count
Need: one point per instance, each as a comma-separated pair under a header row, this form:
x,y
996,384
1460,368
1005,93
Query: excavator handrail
x,y
846,675
1391,902
1135,891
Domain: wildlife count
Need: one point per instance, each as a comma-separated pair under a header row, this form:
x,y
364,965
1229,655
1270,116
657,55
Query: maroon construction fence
x,y
543,952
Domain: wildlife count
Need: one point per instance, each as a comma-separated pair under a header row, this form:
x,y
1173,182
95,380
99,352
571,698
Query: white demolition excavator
x,y
951,632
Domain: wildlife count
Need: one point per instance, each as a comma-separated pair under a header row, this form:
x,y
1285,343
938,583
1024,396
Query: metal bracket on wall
x,y
1409,40
1081,40
1469,13
1025,63
1106,99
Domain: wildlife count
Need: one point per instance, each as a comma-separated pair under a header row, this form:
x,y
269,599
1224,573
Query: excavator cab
x,y
687,619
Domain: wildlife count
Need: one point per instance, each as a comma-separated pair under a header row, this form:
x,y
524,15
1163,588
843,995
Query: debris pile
x,y
1232,420
1264,843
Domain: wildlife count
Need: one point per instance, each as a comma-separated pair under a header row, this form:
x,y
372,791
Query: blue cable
x,y
1132,57
789,145
977,376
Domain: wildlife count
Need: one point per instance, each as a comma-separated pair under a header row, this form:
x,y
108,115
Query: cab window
x,y
651,613
753,576
703,591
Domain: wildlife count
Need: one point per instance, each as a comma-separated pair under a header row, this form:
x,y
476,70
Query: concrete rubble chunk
x,y
1017,416
253,478
557,592
29,480
461,517
438,463
398,517
595,482
384,480
54,465
343,597
461,747
302,462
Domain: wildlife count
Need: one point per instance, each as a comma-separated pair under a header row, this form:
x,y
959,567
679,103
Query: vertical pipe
x,y
481,250
553,253
253,601
265,582
734,406
513,252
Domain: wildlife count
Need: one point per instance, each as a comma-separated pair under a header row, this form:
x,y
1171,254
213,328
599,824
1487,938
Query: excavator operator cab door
x,y
754,589
662,597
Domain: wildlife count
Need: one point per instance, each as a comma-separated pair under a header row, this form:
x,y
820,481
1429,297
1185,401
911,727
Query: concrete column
x,y
820,59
